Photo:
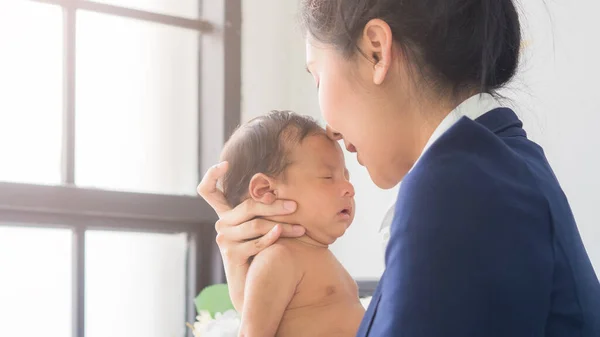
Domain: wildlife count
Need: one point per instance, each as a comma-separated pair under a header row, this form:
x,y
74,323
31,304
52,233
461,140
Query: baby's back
x,y
326,301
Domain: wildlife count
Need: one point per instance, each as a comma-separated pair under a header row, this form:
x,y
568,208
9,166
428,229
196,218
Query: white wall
x,y
273,65
555,94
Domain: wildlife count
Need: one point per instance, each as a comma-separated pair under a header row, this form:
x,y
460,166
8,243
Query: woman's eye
x,y
327,177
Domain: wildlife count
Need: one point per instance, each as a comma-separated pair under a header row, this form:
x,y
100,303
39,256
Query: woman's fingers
x,y
250,209
208,190
292,231
241,252
256,228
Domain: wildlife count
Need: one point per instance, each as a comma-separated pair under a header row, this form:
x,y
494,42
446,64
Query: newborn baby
x,y
296,287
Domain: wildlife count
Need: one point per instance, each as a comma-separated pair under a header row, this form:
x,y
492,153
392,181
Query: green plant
x,y
214,299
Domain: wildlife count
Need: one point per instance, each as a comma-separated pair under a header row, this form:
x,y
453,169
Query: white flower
x,y
225,324
202,320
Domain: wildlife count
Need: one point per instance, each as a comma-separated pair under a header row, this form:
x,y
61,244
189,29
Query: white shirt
x,y
473,108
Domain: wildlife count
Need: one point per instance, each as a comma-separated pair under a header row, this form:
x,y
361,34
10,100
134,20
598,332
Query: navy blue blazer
x,y
484,244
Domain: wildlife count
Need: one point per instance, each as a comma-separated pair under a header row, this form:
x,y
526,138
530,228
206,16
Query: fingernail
x,y
289,205
274,229
219,165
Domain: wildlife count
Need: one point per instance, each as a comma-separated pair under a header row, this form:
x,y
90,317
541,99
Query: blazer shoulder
x,y
471,170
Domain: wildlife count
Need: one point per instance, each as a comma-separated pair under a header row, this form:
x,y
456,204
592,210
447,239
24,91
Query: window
x,y
110,112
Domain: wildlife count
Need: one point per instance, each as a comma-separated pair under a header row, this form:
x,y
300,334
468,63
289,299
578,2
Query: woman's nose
x,y
331,133
334,135
349,147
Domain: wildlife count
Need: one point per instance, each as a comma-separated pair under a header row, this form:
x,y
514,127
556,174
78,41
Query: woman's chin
x,y
385,182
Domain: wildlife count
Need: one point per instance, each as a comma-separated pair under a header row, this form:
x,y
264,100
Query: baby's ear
x,y
262,189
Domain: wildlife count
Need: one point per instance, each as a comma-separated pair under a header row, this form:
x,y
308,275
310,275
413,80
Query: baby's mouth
x,y
346,211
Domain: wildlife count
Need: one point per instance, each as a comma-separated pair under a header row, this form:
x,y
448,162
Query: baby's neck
x,y
307,240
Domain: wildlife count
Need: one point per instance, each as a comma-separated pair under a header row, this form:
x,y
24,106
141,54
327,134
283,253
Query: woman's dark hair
x,y
457,44
263,145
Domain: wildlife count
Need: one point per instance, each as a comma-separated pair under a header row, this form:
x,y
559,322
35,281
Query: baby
x,y
296,287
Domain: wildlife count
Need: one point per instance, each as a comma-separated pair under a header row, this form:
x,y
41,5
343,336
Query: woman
x,y
483,242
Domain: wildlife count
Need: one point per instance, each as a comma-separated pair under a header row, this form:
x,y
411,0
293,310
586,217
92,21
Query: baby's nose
x,y
348,190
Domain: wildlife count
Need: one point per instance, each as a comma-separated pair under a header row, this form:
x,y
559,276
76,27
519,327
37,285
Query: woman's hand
x,y
241,232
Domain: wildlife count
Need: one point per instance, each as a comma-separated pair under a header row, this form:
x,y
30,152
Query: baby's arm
x,y
270,286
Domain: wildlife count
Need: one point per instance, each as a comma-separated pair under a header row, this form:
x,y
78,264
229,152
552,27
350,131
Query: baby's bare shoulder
x,y
277,255
277,262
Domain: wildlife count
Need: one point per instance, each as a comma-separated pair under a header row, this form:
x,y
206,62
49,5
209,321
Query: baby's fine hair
x,y
262,145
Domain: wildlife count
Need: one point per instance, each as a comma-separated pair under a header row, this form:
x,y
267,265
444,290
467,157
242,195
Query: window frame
x,y
81,209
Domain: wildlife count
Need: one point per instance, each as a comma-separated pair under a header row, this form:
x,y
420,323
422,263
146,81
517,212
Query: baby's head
x,y
284,155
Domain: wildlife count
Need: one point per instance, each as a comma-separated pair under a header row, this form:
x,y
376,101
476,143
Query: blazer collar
x,y
503,122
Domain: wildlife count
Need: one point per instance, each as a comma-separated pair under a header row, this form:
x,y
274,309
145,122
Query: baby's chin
x,y
326,232
328,235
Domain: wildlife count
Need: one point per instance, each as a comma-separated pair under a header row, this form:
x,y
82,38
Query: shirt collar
x,y
472,108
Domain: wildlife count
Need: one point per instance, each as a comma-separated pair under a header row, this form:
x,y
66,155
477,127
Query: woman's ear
x,y
262,189
376,44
